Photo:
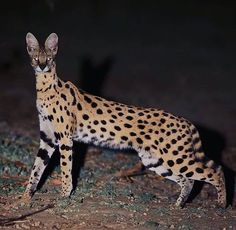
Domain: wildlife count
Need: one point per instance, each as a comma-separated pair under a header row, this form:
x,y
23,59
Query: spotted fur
x,y
166,144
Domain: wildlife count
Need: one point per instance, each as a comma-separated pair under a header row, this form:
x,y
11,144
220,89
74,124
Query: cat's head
x,y
42,58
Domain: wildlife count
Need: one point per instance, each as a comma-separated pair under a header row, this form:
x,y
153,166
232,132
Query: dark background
x,y
176,55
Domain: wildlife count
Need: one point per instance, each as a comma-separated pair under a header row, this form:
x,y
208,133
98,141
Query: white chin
x,y
39,70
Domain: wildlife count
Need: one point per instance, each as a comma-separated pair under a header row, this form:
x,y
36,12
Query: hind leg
x,y
186,186
214,176
218,181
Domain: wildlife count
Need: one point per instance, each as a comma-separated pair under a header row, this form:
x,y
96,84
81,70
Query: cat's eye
x,y
49,58
35,59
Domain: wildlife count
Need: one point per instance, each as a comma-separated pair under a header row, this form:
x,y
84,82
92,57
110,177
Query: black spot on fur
x,y
59,83
72,92
133,134
103,129
175,152
129,118
45,139
66,147
43,154
139,140
63,96
199,170
124,138
57,136
163,120
154,165
87,99
94,104
112,134
170,163
183,169
189,174
128,125
156,142
141,126
92,131
103,122
117,128
179,161
168,173
131,111
118,109
85,117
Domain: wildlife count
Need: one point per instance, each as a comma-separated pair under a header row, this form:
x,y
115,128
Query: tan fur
x,y
166,144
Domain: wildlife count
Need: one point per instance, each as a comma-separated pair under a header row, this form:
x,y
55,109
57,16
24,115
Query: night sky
x,y
175,55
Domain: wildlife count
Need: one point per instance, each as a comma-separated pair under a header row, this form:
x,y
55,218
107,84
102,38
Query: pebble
x,y
36,224
25,226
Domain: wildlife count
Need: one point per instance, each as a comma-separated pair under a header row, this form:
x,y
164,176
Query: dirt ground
x,y
101,200
180,57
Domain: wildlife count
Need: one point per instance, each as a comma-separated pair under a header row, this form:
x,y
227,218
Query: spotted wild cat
x,y
166,144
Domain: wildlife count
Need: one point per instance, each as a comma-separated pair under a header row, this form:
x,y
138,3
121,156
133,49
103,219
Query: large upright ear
x,y
32,43
51,43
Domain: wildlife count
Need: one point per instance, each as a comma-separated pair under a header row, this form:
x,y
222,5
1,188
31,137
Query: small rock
x,y
36,224
25,226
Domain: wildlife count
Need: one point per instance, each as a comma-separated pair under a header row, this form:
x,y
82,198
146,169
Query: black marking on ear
x,y
45,139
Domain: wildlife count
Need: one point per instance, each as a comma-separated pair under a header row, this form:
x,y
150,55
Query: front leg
x,y
44,154
66,166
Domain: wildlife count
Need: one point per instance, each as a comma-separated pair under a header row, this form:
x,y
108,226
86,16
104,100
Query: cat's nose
x,y
42,66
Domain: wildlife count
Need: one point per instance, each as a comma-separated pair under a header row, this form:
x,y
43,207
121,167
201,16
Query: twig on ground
x,y
13,220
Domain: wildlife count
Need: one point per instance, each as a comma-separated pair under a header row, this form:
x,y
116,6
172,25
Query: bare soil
x,y
101,200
